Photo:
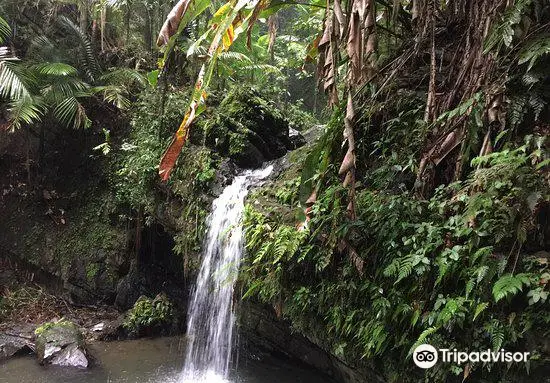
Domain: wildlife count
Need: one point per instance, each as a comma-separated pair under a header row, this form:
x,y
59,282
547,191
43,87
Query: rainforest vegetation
x,y
413,208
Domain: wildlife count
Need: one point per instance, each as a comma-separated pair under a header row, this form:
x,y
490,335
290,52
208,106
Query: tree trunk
x,y
42,148
148,33
83,8
127,17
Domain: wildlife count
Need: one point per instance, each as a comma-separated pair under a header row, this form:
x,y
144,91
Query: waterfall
x,y
211,318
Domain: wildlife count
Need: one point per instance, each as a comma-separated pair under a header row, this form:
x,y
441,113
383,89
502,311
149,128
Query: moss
x,y
91,271
50,325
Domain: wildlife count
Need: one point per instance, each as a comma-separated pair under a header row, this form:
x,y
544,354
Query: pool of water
x,y
157,360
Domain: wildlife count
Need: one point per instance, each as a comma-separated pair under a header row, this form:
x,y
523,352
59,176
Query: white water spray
x,y
211,318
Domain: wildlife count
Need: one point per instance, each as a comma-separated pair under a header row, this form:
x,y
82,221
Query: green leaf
x,y
26,110
5,30
479,309
425,334
71,113
152,77
14,80
56,69
509,285
534,51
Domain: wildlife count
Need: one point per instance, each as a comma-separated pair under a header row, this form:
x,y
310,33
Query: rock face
x,y
249,129
62,344
13,345
260,327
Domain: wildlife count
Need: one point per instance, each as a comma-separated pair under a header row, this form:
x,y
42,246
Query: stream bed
x,y
158,360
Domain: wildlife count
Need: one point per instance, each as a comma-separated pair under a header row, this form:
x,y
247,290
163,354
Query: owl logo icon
x,y
425,356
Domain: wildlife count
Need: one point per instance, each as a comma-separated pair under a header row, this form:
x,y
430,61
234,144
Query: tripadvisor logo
x,y
426,356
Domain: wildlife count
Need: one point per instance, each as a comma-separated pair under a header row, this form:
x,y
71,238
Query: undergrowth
x,y
461,269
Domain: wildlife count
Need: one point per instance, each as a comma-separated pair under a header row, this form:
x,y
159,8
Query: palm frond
x,y
60,88
42,48
14,80
87,56
114,94
4,53
71,112
25,110
5,30
124,76
56,69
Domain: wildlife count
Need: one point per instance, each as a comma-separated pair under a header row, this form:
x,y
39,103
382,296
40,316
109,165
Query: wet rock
x,y
260,328
11,345
129,289
98,327
112,330
61,343
296,138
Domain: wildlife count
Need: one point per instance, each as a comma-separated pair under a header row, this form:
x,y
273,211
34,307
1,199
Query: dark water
x,y
149,361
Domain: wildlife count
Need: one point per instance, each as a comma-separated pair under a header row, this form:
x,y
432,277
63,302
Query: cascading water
x,y
210,317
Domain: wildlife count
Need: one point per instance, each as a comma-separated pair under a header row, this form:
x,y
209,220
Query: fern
x,y
234,56
481,272
509,285
423,336
496,332
265,68
503,33
533,51
479,309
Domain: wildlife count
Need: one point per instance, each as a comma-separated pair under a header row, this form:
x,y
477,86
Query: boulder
x,y
61,343
249,129
11,345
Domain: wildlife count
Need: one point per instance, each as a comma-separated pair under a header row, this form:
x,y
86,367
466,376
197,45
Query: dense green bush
x,y
149,315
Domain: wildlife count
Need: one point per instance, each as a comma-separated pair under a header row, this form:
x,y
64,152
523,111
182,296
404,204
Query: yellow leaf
x,y
228,37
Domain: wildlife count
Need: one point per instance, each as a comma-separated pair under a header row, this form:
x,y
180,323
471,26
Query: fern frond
x,y
503,33
266,68
479,309
234,56
497,334
510,285
534,51
425,334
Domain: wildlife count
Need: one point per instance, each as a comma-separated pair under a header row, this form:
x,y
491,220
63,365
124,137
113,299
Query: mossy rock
x,y
61,343
150,316
248,128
